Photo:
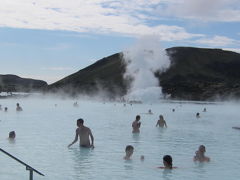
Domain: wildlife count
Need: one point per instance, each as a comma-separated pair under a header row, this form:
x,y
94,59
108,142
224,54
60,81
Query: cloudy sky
x,y
49,39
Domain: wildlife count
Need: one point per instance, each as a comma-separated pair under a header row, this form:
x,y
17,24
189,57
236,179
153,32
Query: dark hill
x,y
200,74
195,73
106,75
13,83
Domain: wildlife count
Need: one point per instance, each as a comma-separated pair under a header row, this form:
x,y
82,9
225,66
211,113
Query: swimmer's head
x,y
129,150
167,161
161,116
17,104
12,135
138,117
80,122
202,149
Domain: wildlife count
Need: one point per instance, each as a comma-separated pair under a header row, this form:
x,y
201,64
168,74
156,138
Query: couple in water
x,y
136,124
83,133
200,157
167,159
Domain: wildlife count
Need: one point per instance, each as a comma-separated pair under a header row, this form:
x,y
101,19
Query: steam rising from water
x,y
143,59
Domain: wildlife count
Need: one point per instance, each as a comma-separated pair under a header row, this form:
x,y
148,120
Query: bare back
x,y
136,126
84,133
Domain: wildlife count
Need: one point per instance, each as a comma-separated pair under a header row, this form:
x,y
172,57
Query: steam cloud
x,y
143,59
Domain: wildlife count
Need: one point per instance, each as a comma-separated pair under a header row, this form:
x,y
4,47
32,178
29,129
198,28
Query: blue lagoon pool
x,y
44,130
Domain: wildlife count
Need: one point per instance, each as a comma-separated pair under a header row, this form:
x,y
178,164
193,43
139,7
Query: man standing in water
x,y
136,125
83,132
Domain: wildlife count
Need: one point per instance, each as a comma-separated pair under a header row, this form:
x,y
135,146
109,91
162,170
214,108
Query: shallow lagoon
x,y
43,132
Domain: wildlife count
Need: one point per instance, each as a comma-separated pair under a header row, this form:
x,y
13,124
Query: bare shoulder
x,y
87,129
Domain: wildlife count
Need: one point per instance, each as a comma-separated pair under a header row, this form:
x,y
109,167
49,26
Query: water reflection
x,y
200,169
136,137
167,174
82,161
128,165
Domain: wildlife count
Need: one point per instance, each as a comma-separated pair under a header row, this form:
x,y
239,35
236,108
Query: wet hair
x,y
202,147
168,160
80,121
137,117
12,134
129,147
161,116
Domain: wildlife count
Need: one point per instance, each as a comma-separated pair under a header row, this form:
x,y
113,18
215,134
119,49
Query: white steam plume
x,y
143,59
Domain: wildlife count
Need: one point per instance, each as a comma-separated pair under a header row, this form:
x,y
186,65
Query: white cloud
x,y
204,10
217,41
98,16
237,50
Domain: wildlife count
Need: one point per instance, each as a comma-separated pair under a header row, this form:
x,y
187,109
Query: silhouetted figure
x,y
12,135
18,108
198,115
136,125
75,104
150,111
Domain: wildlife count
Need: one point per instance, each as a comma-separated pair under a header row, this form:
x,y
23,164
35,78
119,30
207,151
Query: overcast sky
x,y
50,39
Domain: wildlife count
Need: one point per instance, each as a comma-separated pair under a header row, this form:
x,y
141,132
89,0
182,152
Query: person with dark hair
x,y
149,111
5,109
129,151
167,162
136,125
161,122
18,108
12,135
198,115
200,155
83,133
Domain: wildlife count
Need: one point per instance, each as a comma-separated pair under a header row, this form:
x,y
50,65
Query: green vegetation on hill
x,y
195,73
106,75
199,74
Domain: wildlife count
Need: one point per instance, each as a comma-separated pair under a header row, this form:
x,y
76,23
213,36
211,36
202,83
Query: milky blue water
x,y
43,132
